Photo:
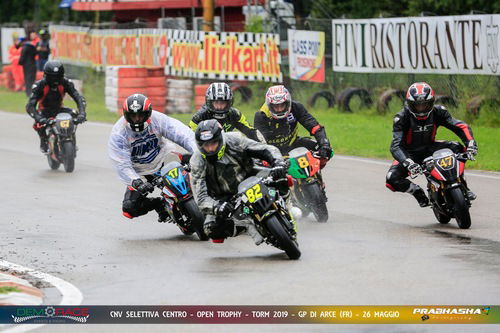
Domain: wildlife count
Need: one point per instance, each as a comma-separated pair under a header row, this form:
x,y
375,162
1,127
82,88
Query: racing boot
x,y
44,145
470,195
419,194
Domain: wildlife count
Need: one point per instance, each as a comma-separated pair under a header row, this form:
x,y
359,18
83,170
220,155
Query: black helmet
x,y
53,71
420,100
207,132
137,110
219,91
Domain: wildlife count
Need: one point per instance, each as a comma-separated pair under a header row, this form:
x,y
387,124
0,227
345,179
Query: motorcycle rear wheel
x,y
53,164
197,218
285,242
442,218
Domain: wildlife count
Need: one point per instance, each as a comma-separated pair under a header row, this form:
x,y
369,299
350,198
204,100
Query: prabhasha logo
x,y
447,311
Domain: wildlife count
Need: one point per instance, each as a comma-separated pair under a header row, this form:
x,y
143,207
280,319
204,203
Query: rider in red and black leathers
x,y
48,93
414,132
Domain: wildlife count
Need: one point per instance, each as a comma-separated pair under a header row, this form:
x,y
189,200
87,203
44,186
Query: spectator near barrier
x,y
16,69
28,61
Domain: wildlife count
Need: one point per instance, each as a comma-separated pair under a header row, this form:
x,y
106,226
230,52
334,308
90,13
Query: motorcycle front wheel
x,y
460,208
68,150
285,242
197,218
316,201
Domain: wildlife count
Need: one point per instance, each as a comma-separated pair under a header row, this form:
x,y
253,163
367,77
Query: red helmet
x,y
137,111
420,100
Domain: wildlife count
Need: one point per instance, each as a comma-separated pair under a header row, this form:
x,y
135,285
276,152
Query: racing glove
x,y
81,118
142,187
325,150
413,168
471,149
279,169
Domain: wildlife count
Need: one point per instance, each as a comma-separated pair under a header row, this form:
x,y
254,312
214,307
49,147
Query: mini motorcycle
x,y
447,191
173,181
309,191
62,141
258,202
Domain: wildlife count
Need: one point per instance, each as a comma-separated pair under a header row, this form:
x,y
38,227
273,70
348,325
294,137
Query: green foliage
x,y
255,24
9,289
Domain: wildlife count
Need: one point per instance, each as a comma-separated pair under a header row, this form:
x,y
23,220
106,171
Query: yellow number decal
x,y
64,123
303,162
173,173
253,193
445,162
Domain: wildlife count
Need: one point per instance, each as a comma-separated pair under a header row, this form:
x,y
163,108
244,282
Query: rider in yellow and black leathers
x,y
278,121
218,105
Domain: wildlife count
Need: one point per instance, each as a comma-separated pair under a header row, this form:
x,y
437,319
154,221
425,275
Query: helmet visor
x,y
138,118
422,109
280,110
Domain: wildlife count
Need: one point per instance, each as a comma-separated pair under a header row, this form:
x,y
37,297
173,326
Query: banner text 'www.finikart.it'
x,y
196,54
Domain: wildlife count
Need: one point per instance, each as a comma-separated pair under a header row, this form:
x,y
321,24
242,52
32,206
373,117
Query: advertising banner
x,y
465,44
306,50
197,54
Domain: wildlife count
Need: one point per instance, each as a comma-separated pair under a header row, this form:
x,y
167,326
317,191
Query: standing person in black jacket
x,y
413,139
27,60
48,93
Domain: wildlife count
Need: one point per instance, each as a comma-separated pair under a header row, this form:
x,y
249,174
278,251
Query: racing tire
x,y
68,149
53,164
442,218
316,202
197,218
460,208
285,242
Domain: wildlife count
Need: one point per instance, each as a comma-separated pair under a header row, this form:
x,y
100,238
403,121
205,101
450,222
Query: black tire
x,y
68,149
460,208
316,201
442,218
347,94
197,218
325,94
285,242
54,165
386,97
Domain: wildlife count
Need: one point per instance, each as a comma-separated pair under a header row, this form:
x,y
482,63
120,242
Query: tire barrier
x,y
386,97
199,95
179,99
244,91
122,82
447,101
326,95
347,94
475,103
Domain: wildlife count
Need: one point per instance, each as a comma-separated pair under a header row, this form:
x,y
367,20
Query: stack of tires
x,y
122,82
199,95
180,95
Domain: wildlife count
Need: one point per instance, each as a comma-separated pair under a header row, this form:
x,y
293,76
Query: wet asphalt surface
x,y
378,248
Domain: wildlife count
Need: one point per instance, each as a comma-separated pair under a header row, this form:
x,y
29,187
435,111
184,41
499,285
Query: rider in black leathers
x,y
414,132
48,93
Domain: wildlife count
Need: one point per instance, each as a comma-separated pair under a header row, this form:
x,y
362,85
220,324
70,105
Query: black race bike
x,y
173,181
447,192
259,202
62,141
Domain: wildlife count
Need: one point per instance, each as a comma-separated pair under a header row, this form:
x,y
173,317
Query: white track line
x,y
71,295
491,175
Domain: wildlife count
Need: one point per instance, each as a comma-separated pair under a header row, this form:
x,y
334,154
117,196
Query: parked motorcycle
x,y
62,141
308,190
258,202
447,191
173,181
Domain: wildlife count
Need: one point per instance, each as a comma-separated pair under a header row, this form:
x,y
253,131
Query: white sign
x,y
465,44
306,51
7,41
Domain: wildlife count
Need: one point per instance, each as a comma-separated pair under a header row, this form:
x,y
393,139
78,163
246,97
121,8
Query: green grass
x,y
363,133
9,289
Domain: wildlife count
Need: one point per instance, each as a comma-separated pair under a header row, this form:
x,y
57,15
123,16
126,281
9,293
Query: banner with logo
x,y
224,55
251,314
467,44
306,50
8,36
197,54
